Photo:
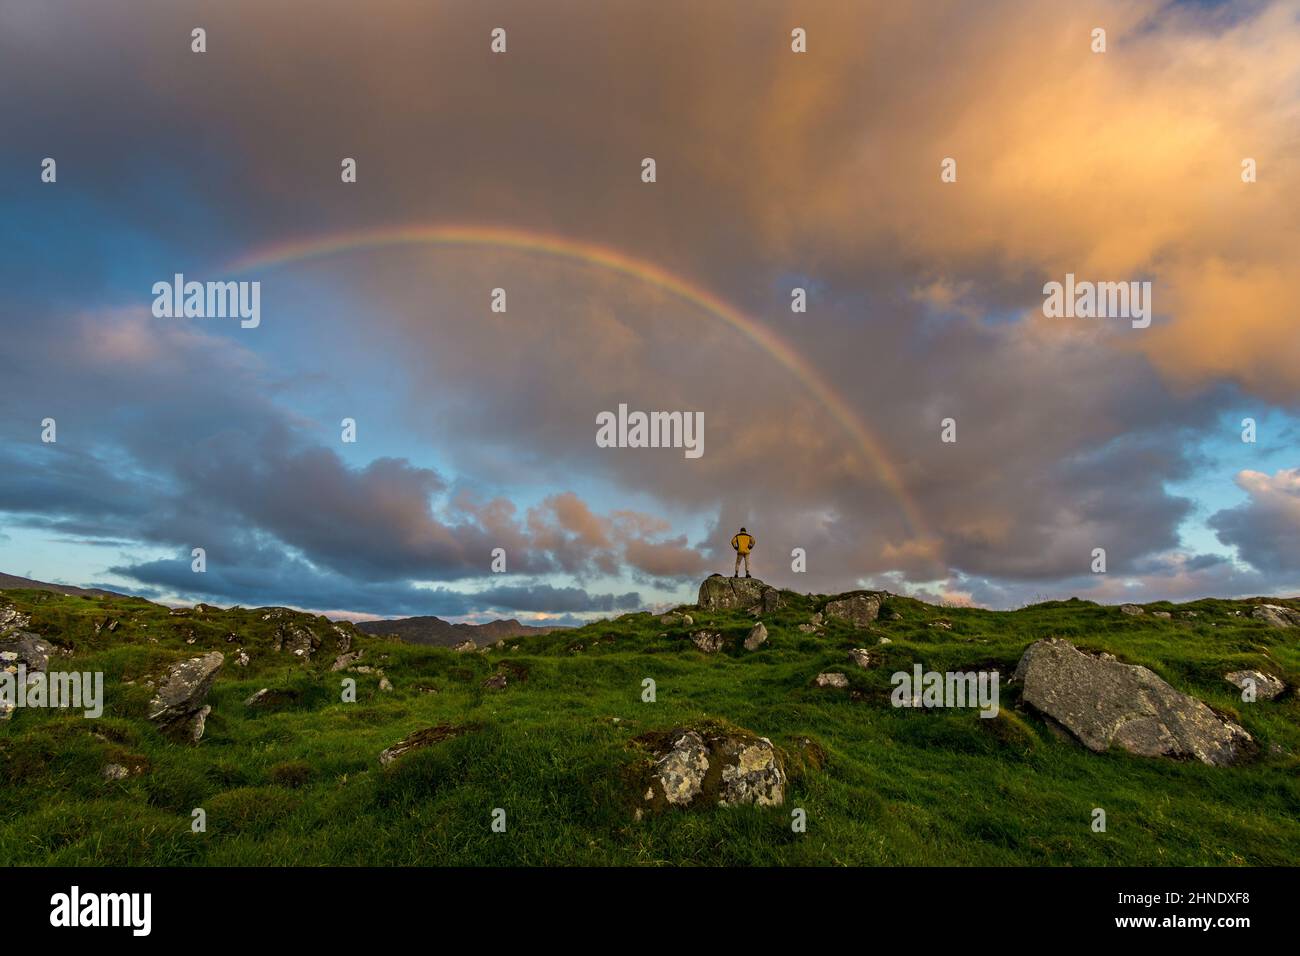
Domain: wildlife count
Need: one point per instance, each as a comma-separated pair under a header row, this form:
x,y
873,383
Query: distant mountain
x,y
434,630
14,581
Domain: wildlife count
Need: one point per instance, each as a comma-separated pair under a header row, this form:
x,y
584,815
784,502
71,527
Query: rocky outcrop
x,y
1274,615
757,637
718,593
178,704
464,647
1105,703
297,640
22,652
1264,686
711,766
860,608
1132,610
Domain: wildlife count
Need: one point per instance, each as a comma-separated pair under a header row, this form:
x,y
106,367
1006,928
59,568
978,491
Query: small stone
x,y
832,680
757,637
1267,687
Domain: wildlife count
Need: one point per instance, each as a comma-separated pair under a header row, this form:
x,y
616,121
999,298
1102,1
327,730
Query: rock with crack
x,y
1105,703
711,766
178,704
710,642
756,638
1274,615
1265,686
419,740
718,593
859,609
770,601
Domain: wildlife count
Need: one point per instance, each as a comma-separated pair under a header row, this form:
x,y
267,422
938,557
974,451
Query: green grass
x,y
300,783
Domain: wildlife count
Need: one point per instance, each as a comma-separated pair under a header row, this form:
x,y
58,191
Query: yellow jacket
x,y
743,543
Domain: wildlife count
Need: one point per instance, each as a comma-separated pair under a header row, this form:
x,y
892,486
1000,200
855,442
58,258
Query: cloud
x,y
1265,529
924,305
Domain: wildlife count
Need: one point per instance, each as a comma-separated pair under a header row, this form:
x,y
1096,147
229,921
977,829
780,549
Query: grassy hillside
x,y
300,783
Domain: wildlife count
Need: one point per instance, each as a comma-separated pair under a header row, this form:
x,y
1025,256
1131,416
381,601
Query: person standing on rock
x,y
743,543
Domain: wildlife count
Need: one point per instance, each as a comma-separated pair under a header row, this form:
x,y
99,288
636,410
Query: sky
x,y
523,170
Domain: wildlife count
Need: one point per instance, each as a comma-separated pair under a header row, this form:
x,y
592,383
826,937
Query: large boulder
x,y
711,766
718,593
1275,615
178,704
860,608
1105,703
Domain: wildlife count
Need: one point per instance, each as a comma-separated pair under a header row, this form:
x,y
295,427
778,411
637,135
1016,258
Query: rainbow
x,y
601,257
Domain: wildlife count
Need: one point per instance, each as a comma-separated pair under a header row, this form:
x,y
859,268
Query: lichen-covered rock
x,y
342,638
1265,686
756,638
1275,615
1105,703
858,609
860,656
297,640
12,619
710,642
1131,609
711,766
178,703
718,593
420,739
839,681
